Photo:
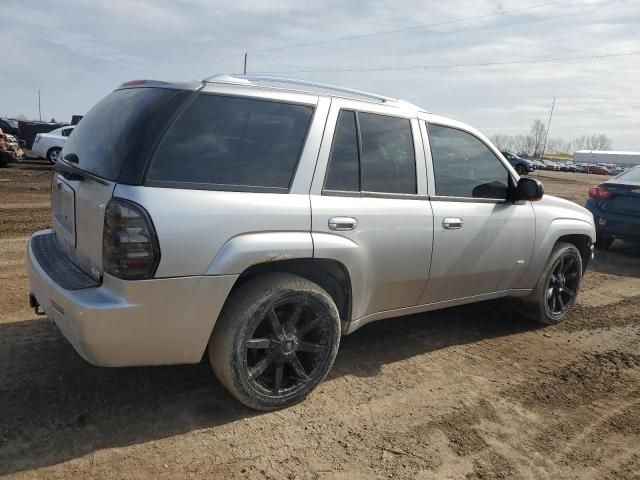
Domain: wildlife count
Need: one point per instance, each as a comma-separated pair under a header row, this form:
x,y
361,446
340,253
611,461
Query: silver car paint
x,y
144,322
84,245
399,257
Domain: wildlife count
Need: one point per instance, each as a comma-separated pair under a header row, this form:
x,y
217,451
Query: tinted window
x,y
464,166
388,160
343,173
111,130
233,141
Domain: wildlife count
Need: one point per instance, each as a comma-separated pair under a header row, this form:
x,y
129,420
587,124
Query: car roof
x,y
235,84
268,82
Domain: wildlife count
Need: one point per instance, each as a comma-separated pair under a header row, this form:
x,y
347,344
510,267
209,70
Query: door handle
x,y
341,224
451,223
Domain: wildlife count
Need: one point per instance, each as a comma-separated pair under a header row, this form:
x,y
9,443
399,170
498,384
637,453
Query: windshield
x,y
107,135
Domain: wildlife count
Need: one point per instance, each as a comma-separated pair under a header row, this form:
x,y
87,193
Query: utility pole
x,y
546,137
39,109
245,62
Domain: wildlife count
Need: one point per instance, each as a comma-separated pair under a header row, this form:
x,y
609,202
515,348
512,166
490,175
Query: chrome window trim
x,y
444,198
215,187
367,194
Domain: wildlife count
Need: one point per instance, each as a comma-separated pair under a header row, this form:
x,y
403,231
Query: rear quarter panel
x,y
194,225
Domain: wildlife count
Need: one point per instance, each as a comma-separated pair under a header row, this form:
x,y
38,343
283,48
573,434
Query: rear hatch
x,y
111,144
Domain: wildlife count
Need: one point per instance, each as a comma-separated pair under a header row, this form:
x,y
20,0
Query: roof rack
x,y
274,81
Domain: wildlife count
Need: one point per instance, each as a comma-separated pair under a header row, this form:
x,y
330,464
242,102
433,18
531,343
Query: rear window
x,y
231,142
632,175
113,128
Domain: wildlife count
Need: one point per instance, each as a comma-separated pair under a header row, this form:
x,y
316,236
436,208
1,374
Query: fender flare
x,y
246,250
556,229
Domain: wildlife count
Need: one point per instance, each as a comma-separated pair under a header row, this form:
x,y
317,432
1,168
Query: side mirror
x,y
529,189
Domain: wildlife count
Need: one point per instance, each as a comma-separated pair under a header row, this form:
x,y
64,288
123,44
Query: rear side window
x,y
233,142
112,129
344,170
382,162
388,160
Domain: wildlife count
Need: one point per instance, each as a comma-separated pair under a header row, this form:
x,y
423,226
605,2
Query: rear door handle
x,y
341,224
451,223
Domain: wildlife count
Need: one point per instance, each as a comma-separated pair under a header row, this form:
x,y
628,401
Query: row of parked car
x,y
524,166
45,139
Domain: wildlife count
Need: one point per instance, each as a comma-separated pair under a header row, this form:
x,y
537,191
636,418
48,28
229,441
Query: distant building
x,y
621,159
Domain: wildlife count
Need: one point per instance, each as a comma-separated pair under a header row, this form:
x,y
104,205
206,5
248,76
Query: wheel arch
x,y
582,242
571,230
329,274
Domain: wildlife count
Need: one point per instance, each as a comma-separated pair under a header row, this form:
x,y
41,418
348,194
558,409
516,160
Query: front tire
x,y
558,286
53,155
522,170
275,340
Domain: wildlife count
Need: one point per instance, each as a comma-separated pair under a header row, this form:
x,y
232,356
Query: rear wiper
x,y
71,172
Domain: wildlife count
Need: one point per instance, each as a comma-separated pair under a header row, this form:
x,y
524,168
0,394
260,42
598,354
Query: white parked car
x,y
49,145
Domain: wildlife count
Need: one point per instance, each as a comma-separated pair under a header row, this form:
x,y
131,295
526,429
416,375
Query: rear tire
x,y
558,286
53,155
275,340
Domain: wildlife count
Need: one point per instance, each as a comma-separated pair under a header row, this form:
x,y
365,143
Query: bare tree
x,y
538,135
502,141
581,143
532,144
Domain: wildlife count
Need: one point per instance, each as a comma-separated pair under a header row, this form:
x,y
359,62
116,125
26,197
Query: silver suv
x,y
261,218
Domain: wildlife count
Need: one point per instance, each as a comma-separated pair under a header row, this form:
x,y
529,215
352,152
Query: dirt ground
x,y
473,392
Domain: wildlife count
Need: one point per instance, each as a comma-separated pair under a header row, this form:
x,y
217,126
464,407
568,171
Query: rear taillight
x,y
599,192
129,245
37,139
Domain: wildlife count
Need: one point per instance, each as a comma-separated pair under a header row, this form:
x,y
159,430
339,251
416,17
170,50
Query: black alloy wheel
x,y
562,285
275,340
287,347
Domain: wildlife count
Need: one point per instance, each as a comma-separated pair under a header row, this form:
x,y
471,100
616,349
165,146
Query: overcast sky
x,y
76,51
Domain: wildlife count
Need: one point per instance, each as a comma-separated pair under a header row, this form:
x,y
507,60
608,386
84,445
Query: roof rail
x,y
255,79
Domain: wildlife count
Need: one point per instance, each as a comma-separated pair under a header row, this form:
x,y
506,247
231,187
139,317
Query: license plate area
x,y
63,208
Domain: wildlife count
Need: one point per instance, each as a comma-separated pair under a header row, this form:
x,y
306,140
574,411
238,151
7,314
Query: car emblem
x,y
59,185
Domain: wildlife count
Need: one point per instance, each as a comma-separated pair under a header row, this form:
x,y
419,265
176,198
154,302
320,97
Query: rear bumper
x,y
614,224
128,323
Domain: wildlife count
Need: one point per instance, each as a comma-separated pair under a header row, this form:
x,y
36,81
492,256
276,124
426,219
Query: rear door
x,y
114,137
369,204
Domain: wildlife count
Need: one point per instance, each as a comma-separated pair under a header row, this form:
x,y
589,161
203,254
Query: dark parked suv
x,y
521,165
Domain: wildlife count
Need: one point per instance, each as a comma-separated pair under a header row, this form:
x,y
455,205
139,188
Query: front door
x,y
482,242
369,205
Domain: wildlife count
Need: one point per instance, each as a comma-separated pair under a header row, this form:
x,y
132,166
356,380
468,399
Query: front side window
x,y
382,162
464,166
233,141
66,132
